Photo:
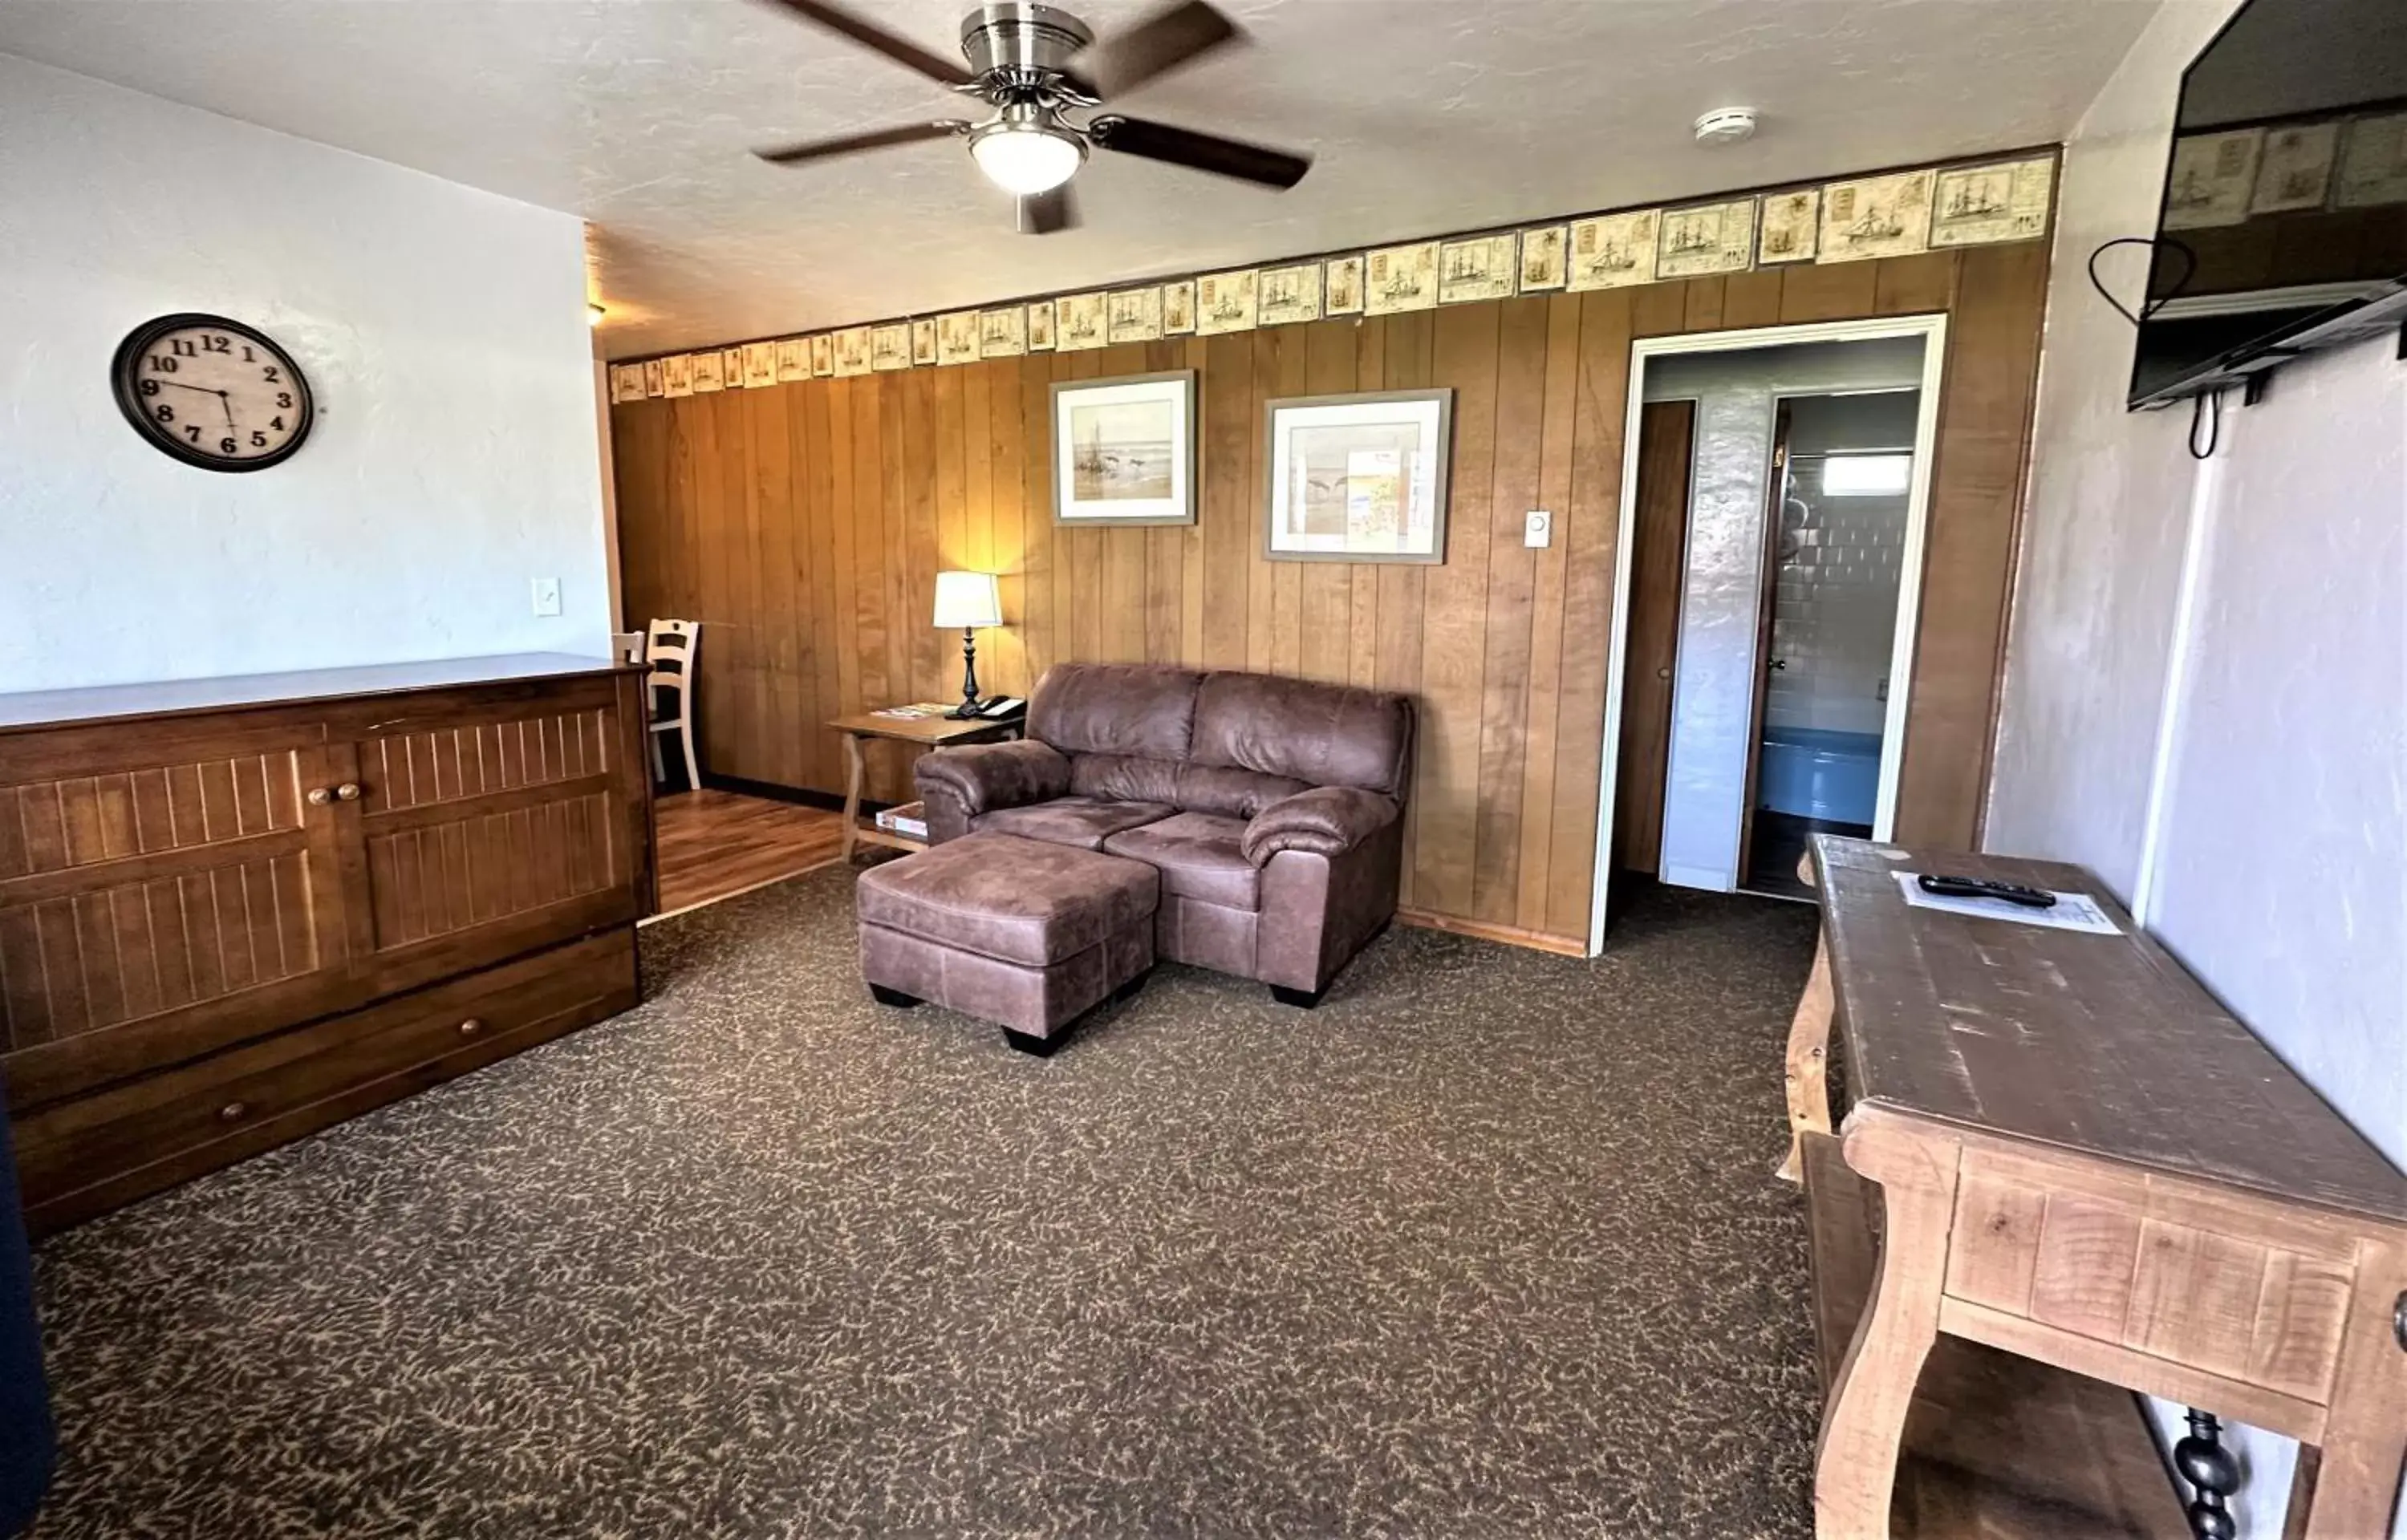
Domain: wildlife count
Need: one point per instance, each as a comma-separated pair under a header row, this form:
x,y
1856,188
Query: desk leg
x,y
1855,1466
1809,1046
853,779
2345,1490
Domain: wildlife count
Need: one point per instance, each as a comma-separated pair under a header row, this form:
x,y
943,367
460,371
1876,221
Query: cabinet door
x,y
165,888
489,821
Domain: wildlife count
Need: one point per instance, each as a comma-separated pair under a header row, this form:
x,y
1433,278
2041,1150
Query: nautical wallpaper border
x,y
1973,202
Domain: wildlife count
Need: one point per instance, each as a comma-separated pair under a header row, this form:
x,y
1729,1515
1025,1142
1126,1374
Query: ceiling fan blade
x,y
1203,151
1160,43
862,30
820,150
1043,213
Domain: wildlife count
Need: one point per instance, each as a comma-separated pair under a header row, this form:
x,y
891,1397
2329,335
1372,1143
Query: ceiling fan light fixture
x,y
1025,157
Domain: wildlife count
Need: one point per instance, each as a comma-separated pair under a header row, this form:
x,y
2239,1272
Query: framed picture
x,y
1124,450
1359,479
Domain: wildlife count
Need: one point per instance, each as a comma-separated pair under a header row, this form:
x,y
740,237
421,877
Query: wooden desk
x,y
2085,1161
929,733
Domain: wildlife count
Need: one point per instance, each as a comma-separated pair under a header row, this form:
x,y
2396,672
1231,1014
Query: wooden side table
x,y
929,733
2083,1160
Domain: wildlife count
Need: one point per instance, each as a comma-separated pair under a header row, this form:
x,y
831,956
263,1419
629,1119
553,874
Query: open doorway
x,y
1834,553
1774,488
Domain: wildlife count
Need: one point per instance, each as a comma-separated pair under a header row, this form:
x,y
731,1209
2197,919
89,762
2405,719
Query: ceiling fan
x,y
1033,64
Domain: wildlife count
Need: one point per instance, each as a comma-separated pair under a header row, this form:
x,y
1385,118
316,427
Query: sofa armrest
x,y
982,777
1324,821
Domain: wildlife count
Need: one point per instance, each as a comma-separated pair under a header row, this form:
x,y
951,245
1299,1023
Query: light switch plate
x,y
1538,529
546,596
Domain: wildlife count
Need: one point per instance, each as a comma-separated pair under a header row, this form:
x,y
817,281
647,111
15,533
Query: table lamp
x,y
968,600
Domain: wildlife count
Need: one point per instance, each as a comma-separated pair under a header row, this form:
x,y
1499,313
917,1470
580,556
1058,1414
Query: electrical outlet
x,y
1538,529
546,596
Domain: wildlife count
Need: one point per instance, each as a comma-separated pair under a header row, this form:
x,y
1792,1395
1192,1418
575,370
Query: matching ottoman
x,y
1023,932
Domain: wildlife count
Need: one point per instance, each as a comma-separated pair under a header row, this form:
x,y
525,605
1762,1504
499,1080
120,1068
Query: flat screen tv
x,y
2282,226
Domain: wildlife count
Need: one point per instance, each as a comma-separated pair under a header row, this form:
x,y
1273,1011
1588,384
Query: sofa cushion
x,y
1329,735
1085,822
1114,708
1229,791
1122,778
1022,900
1200,856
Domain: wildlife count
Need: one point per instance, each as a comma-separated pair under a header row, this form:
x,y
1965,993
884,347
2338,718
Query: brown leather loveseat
x,y
1273,808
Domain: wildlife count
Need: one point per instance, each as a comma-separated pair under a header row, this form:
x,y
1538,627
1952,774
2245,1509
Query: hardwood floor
x,y
713,844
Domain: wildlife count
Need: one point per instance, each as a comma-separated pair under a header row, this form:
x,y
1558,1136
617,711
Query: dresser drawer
x,y
81,1157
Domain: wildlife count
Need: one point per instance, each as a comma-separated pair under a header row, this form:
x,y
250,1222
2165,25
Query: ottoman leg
x,y
1303,1000
1028,1042
1129,990
894,997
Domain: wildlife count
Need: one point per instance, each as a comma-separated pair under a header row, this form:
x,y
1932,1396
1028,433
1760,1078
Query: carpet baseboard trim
x,y
1536,940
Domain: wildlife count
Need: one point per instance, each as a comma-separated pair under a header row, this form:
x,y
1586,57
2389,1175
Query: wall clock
x,y
212,392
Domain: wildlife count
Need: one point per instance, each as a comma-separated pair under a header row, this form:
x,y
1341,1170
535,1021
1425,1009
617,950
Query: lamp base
x,y
970,701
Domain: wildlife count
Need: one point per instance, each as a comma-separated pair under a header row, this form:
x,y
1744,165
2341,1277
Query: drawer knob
x,y
470,1028
318,796
349,791
233,1111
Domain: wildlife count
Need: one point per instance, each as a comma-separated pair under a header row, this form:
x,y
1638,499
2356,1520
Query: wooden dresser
x,y
235,911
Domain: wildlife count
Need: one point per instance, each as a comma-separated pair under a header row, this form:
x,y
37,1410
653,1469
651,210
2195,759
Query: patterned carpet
x,y
1485,1246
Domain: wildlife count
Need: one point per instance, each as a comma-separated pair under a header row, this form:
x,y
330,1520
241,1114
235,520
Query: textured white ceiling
x,y
1426,116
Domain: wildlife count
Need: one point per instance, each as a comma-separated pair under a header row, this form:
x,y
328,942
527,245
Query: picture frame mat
x,y
1174,388
1432,409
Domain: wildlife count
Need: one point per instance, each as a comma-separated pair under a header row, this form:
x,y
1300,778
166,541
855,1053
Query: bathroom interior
x,y
1773,521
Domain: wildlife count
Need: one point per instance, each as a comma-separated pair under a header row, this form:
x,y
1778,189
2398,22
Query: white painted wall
x,y
2231,756
454,456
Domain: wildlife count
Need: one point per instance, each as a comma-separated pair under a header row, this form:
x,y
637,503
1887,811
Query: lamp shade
x,y
965,600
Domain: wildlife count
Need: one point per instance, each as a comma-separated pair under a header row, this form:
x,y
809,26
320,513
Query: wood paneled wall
x,y
802,524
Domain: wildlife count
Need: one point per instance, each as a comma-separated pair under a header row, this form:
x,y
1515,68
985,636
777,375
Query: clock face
x,y
212,392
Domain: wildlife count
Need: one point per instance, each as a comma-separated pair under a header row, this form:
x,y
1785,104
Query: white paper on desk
x,y
2072,910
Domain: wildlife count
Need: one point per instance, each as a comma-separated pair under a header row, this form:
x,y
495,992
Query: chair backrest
x,y
669,648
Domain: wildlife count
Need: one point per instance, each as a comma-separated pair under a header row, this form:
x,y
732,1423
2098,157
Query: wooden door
x,y
165,888
1657,567
491,820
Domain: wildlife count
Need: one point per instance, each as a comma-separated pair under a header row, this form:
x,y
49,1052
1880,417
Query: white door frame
x,y
1932,329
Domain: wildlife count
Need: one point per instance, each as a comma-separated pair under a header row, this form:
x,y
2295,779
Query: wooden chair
x,y
669,647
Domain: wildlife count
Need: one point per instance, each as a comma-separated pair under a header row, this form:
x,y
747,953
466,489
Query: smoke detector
x,y
1726,126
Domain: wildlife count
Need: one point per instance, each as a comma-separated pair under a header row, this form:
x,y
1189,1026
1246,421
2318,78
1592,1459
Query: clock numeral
x,y
259,441
276,423
166,414
272,375
182,347
226,446
162,364
193,433
218,344
284,400
247,355
149,387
